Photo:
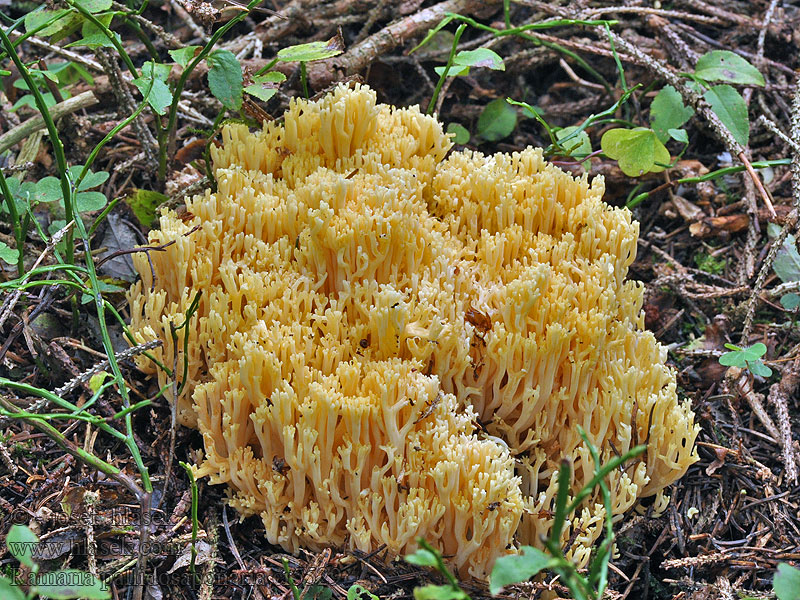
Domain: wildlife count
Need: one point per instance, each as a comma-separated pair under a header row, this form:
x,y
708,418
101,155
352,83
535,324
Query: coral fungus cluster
x,y
394,342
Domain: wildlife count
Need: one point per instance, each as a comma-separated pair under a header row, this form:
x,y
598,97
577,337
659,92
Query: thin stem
x,y
10,411
760,164
195,522
59,401
176,96
449,64
520,32
119,127
288,573
55,140
304,78
19,233
108,33
617,61
266,67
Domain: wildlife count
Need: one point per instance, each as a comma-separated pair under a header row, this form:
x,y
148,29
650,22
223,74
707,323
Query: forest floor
x,y
717,254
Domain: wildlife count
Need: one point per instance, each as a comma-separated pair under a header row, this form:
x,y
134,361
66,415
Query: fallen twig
x,y
357,58
779,395
87,375
791,222
36,123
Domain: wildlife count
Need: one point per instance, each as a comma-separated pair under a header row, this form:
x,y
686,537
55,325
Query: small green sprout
x,y
747,358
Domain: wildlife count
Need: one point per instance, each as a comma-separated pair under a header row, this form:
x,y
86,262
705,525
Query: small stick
x,y
777,244
34,124
759,186
187,18
792,221
87,375
59,51
784,288
641,10
775,130
779,394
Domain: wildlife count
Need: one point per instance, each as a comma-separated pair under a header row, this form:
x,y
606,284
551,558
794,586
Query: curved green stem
x,y
19,233
176,95
108,33
55,140
449,64
110,135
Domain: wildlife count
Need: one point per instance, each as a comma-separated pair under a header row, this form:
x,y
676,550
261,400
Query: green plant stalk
x,y
78,286
760,164
443,76
580,587
520,32
19,232
185,325
557,144
59,401
96,396
43,282
143,37
449,17
6,18
101,217
129,336
91,419
110,135
54,434
107,32
131,409
440,566
633,193
598,573
554,142
554,543
304,78
266,67
20,281
55,140
195,522
599,117
603,472
617,61
67,191
507,13
288,573
176,96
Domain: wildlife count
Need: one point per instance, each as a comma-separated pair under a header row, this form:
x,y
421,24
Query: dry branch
x,y
34,124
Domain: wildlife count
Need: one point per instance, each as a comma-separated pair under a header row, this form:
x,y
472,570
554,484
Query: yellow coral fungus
x,y
367,299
